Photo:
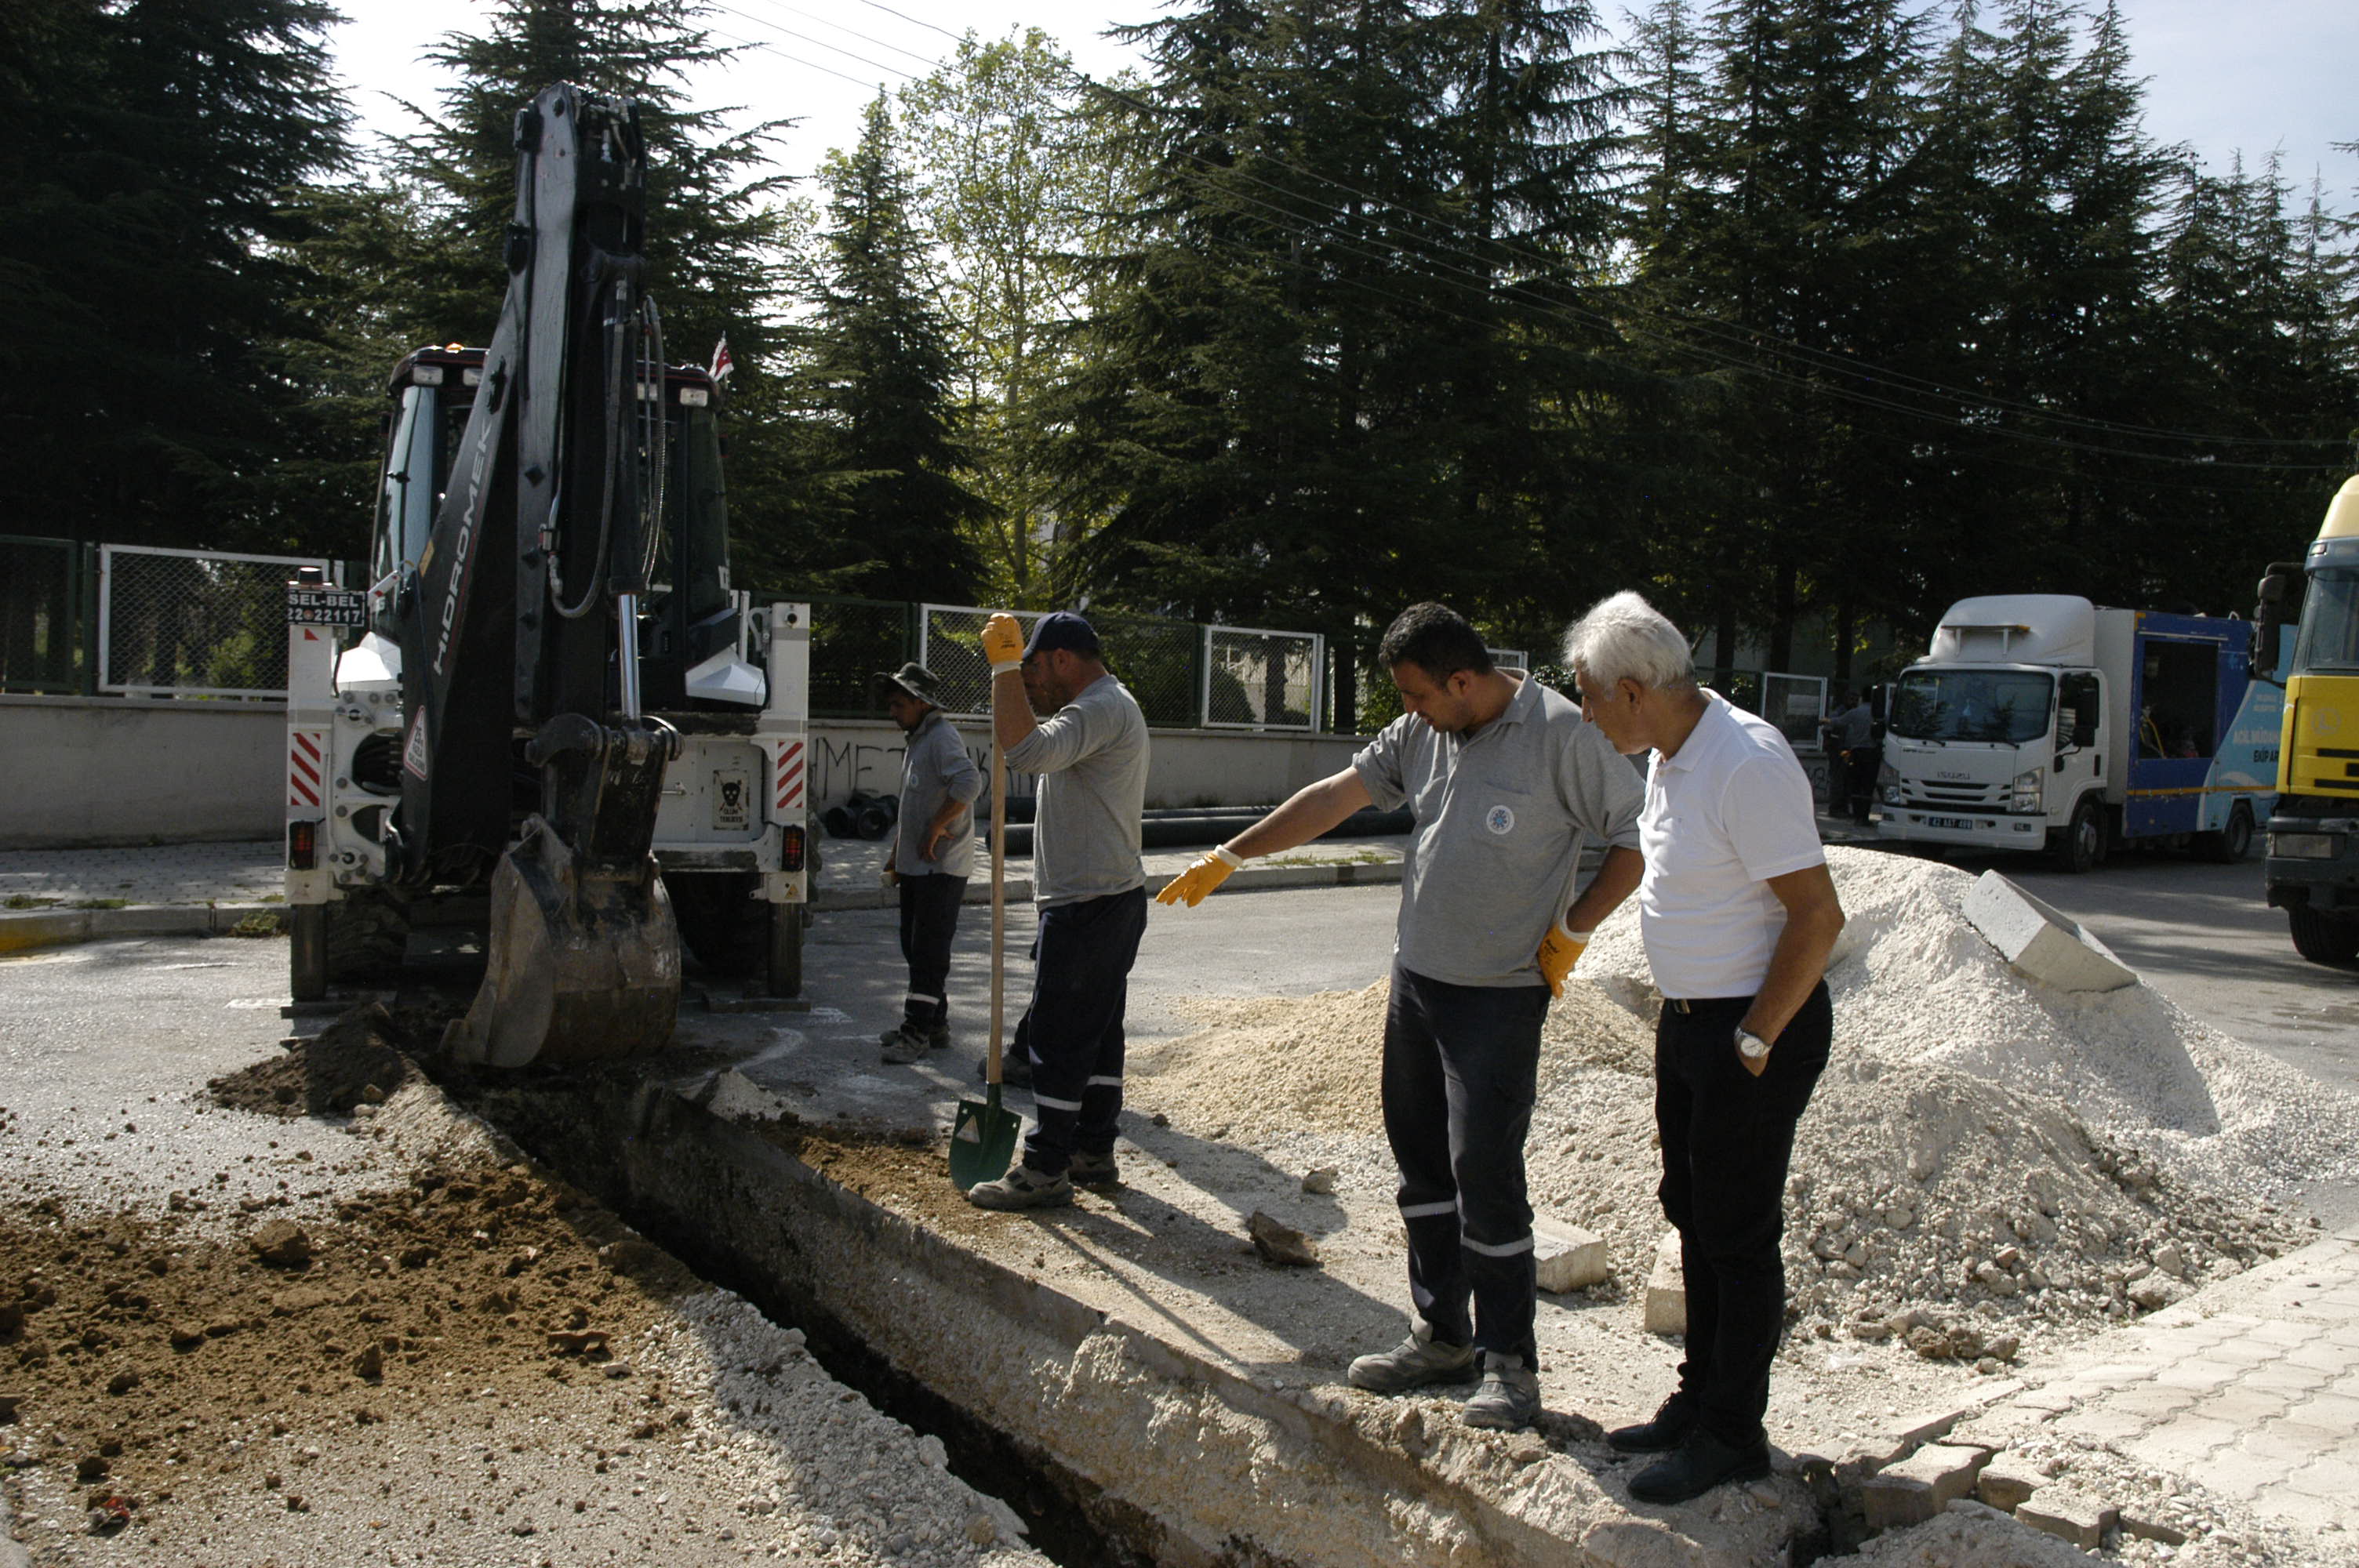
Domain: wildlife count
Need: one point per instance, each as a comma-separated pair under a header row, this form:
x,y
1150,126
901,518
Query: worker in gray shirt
x,y
1090,887
1504,779
932,855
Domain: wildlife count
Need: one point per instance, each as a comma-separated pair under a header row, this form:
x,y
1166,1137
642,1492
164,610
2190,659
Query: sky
x,y
2259,75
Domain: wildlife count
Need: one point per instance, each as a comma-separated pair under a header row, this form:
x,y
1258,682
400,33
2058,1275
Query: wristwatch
x,y
1749,1046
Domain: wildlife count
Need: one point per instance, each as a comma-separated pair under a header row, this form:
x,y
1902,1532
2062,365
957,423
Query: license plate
x,y
326,607
1967,822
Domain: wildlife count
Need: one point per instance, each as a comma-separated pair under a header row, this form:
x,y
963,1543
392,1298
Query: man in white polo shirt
x,y
1503,781
1738,916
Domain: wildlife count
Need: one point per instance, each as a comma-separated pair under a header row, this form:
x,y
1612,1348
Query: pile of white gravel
x,y
1985,1160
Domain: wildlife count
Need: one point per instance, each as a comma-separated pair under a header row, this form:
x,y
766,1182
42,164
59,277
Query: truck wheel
x,y
785,929
2323,938
2232,843
2080,847
721,921
307,953
366,934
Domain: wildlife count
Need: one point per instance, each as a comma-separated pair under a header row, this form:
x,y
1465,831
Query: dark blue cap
x,y
1062,628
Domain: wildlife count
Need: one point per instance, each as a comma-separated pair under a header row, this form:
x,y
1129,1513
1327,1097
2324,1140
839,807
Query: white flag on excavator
x,y
722,364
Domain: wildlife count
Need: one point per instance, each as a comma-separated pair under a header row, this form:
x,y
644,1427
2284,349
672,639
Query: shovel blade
x,y
982,1141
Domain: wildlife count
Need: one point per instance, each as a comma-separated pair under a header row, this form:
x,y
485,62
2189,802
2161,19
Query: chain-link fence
x,y
194,622
42,586
1266,680
851,641
1154,657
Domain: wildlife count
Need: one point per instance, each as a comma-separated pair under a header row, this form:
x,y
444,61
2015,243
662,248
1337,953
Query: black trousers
x,y
1081,987
1728,1138
929,916
1462,1065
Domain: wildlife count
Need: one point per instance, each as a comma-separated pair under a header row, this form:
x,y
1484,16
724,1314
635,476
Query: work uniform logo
x,y
1500,819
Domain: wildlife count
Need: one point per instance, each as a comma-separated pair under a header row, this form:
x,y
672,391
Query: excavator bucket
x,y
584,964
584,960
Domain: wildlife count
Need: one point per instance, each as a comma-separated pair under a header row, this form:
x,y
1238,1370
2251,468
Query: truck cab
x,y
2314,850
2042,722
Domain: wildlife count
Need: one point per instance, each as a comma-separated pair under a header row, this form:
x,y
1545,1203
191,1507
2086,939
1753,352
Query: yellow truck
x,y
2313,843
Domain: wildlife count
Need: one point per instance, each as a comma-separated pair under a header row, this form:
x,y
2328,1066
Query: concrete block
x,y
1921,1486
1568,1257
2006,1481
2069,1518
1666,1304
2041,941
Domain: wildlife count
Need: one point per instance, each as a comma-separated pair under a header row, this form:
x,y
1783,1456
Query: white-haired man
x,y
1738,916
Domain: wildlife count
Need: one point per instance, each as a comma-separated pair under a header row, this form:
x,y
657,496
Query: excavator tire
x,y
721,921
367,934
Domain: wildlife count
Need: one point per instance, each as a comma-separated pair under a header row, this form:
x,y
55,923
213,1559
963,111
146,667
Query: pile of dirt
x,y
135,1348
357,1060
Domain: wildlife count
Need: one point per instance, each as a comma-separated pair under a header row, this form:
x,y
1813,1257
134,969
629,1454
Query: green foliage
x,y
1010,189
144,148
879,504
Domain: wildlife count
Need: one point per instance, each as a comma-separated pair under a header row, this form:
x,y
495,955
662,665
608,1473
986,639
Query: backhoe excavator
x,y
554,694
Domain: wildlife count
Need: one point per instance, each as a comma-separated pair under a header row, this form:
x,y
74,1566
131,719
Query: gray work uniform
x,y
1091,754
1500,815
1090,890
935,768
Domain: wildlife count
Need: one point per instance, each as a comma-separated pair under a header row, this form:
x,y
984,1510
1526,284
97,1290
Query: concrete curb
x,y
22,930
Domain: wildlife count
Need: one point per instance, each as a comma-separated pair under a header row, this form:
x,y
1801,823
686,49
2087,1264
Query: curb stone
x,y
23,930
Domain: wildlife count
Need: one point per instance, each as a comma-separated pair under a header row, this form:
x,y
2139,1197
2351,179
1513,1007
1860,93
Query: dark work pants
x,y
1727,1139
1080,985
1462,1064
929,915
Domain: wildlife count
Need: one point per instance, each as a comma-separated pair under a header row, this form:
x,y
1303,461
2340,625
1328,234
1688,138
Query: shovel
x,y
983,1140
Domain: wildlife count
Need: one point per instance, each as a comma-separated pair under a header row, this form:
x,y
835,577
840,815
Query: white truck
x,y
2044,722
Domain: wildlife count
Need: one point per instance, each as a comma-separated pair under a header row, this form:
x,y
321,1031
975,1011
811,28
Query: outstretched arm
x,y
1308,812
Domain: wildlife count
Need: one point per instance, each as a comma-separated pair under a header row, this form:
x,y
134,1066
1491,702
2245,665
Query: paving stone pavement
x,y
2251,1387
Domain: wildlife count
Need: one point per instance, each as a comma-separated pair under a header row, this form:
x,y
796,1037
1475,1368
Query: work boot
x,y
1022,1187
938,1037
902,1045
1672,1422
1095,1172
1702,1463
1415,1361
1509,1398
1014,1070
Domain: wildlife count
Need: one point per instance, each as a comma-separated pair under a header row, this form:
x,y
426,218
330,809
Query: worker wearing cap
x,y
1738,916
932,855
1089,885
1504,781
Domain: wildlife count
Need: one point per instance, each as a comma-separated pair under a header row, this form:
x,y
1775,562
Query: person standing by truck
x,y
1090,886
1504,781
931,857
1738,916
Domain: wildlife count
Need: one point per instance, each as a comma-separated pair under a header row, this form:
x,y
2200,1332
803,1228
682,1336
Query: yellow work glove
x,y
1002,643
1560,950
1201,878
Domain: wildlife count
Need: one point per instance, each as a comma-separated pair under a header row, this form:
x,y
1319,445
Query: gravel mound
x,y
1985,1162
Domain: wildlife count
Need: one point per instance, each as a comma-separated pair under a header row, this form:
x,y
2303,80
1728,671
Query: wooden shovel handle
x,y
998,904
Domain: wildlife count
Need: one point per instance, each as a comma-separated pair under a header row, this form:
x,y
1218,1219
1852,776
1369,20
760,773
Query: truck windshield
x,y
1972,705
2329,639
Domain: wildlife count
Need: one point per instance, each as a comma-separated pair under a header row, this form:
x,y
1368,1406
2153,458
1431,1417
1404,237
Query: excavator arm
x,y
523,627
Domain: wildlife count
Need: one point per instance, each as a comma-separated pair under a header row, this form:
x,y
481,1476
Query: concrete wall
x,y
1188,767
79,772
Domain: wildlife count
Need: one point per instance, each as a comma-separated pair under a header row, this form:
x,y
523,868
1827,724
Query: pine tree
x,y
144,147
881,508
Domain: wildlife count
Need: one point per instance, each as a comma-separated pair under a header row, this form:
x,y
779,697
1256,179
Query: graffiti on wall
x,y
848,762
